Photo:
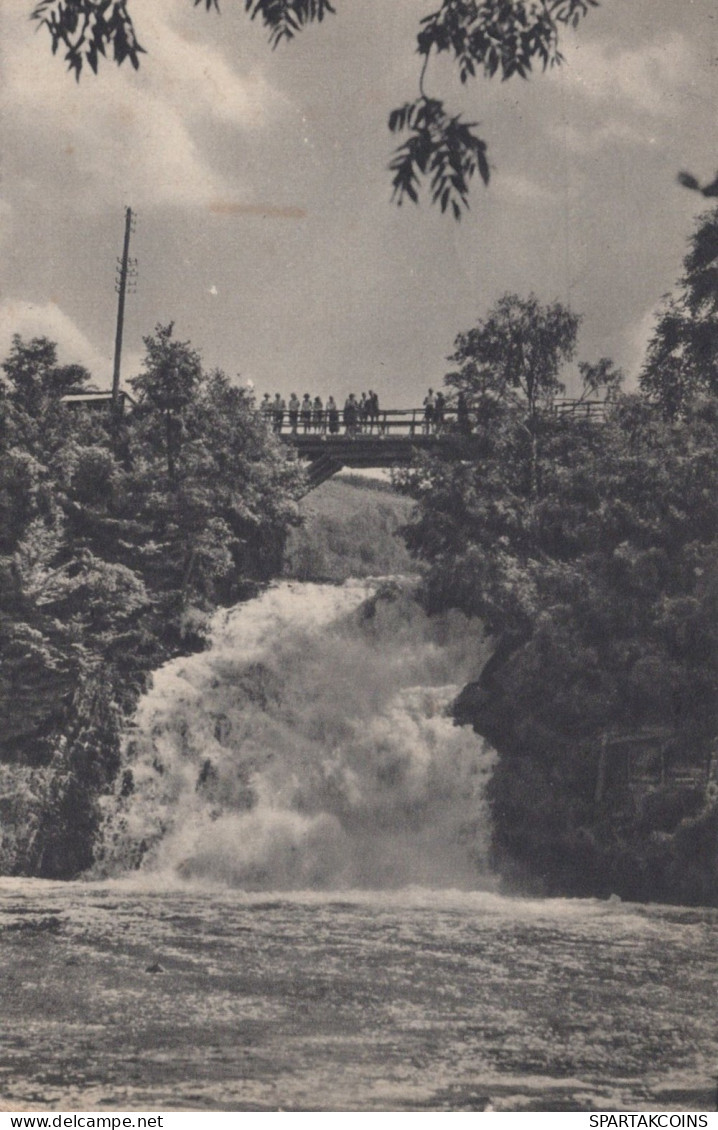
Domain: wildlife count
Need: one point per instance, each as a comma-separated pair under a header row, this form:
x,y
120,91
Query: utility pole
x,y
127,271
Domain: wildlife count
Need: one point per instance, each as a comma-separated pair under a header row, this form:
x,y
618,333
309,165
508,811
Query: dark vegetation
x,y
118,536
590,552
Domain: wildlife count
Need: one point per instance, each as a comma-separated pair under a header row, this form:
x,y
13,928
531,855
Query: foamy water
x,y
300,919
309,746
374,1000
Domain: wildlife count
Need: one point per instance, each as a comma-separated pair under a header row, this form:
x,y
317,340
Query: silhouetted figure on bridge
x,y
429,407
306,413
278,412
372,410
439,409
318,415
293,412
351,415
332,416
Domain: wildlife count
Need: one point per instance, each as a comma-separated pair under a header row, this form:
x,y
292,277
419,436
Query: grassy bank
x,y
350,528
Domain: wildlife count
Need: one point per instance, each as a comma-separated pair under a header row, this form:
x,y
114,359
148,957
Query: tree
x,y
167,386
482,502
682,356
115,545
34,381
516,353
589,555
514,357
490,37
600,592
213,487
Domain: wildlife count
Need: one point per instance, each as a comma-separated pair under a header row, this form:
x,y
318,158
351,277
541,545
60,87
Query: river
x,y
293,906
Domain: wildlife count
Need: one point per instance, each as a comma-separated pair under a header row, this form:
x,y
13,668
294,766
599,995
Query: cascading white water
x,y
309,747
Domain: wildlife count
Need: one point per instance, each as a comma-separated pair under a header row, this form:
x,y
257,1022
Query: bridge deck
x,y
393,437
327,454
361,446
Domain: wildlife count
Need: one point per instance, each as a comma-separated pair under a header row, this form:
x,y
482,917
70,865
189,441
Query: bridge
x,y
394,436
389,440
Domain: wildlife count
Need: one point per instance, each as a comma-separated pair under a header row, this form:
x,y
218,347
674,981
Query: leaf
x,y
444,149
85,28
285,18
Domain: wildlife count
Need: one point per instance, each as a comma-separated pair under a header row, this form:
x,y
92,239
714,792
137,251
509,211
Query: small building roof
x,y
93,396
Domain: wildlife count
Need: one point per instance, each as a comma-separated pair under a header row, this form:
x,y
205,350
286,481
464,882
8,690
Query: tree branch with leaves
x,y
482,37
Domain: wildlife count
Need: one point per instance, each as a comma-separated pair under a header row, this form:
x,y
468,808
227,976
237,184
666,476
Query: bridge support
x,y
326,455
322,469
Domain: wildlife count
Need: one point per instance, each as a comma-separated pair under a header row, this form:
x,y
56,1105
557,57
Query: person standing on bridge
x,y
332,416
318,415
293,412
439,408
373,410
429,406
350,414
306,413
278,413
265,409
363,411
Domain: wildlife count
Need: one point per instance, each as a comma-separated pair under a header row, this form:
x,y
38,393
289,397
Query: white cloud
x,y
6,218
521,188
138,150
195,77
124,136
611,132
47,320
644,79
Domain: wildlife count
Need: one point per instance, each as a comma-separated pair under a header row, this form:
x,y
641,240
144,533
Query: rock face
x,y
36,684
58,753
632,812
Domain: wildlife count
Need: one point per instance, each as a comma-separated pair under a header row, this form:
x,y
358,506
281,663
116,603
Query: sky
x,y
265,229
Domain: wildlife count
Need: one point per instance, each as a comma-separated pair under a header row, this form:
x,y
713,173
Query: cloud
x,y
521,188
139,151
610,132
615,96
47,320
6,219
644,79
124,136
195,76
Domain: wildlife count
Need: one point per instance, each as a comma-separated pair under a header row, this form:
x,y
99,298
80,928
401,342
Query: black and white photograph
x,y
358,557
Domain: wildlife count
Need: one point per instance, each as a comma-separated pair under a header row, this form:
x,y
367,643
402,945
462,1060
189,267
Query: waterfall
x,y
309,747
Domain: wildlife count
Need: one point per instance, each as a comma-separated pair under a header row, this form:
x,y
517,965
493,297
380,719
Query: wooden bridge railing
x,y
593,410
405,422
397,422
409,422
